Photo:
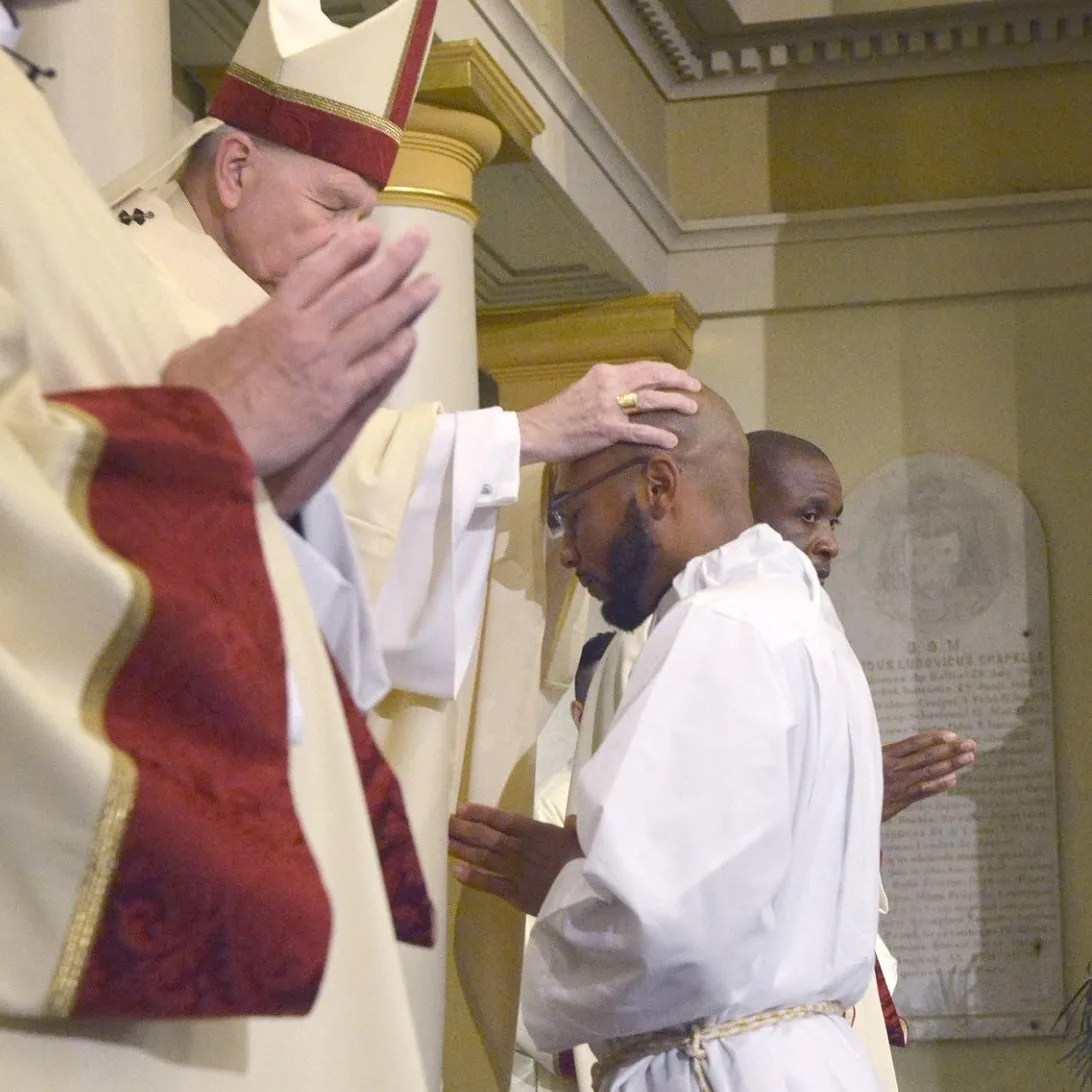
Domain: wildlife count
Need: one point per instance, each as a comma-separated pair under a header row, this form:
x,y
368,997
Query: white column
x,y
445,366
112,93
432,186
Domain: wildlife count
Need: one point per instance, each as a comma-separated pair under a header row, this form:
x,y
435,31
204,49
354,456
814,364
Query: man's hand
x,y
922,766
509,855
322,353
586,417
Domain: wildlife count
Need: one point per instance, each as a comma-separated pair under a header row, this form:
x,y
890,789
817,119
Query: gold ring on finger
x,y
628,402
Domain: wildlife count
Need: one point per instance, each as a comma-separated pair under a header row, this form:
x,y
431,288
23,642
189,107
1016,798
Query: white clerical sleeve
x,y
430,606
339,597
685,816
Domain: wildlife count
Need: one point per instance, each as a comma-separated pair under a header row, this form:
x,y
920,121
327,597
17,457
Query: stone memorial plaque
x,y
942,588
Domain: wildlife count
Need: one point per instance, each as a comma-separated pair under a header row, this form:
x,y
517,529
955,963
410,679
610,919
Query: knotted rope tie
x,y
690,1041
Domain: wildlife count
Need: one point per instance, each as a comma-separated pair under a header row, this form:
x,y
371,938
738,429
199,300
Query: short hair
x,y
590,655
771,449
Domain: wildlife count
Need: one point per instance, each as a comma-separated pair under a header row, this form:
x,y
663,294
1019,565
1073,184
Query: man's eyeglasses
x,y
557,522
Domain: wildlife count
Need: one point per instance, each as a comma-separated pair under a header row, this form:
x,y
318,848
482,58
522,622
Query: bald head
x,y
796,490
712,450
635,516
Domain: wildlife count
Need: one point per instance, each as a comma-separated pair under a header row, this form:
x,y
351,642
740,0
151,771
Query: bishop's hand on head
x,y
604,407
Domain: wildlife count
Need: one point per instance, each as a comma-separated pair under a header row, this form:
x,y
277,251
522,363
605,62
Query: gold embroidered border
x,y
316,102
121,790
99,873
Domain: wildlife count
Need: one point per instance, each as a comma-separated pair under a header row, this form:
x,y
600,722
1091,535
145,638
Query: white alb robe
x,y
730,823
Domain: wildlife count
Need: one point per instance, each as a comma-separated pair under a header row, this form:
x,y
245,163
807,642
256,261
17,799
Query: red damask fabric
x,y
403,876
367,151
895,1024
217,907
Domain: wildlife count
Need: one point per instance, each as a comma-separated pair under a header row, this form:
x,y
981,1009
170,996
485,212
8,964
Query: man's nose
x,y
825,542
568,555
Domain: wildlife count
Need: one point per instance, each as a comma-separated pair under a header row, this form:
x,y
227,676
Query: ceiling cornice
x,y
957,39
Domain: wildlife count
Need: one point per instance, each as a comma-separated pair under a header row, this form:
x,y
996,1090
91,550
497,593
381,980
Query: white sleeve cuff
x,y
496,434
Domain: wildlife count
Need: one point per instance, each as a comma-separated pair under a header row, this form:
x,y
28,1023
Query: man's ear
x,y
234,167
662,477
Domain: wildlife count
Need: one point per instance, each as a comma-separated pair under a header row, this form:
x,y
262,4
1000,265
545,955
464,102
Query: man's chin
x,y
624,614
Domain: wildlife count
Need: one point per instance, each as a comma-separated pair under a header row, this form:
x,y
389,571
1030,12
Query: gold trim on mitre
x,y
316,102
102,861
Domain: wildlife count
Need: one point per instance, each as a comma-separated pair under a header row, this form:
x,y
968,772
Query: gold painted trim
x,y
316,102
121,789
422,198
536,340
464,76
460,152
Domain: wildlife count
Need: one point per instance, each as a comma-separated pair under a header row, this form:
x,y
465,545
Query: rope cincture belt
x,y
691,1040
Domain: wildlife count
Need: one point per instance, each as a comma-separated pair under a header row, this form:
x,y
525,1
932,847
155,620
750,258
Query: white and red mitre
x,y
339,94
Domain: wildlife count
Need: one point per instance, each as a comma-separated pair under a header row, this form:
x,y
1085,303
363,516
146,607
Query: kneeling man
x,y
723,914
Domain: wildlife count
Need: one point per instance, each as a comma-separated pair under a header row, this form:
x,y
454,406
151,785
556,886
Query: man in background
x,y
533,1071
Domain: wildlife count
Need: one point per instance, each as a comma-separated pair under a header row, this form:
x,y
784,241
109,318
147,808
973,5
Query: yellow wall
x,y
1004,380
618,85
720,158
611,76
1018,131
987,134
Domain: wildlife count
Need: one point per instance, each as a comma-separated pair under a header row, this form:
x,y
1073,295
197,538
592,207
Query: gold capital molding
x,y
441,152
421,197
534,352
463,75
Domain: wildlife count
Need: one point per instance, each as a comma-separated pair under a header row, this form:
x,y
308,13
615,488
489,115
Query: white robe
x,y
753,881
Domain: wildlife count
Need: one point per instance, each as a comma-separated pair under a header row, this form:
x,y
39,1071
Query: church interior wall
x,y
1013,131
1002,379
720,156
611,76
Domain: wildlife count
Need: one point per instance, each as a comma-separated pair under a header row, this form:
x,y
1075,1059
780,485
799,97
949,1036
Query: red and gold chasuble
x,y
216,906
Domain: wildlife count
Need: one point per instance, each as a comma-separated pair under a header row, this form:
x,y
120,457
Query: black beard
x,y
629,561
